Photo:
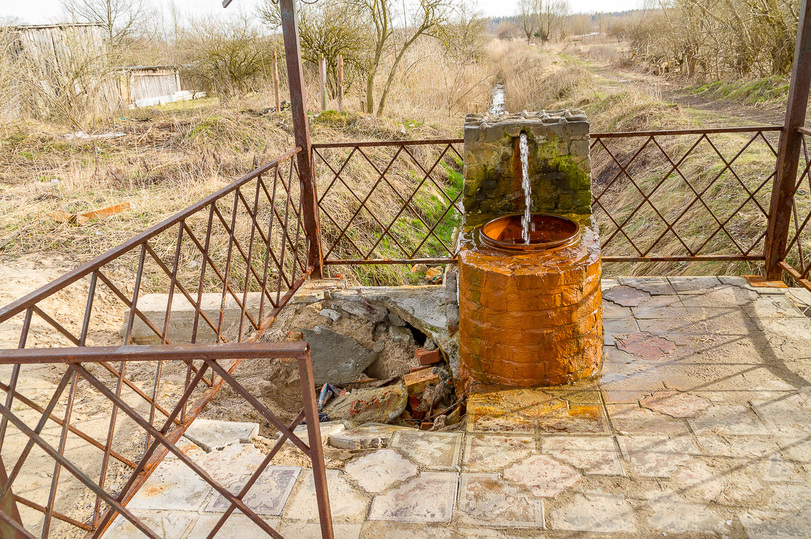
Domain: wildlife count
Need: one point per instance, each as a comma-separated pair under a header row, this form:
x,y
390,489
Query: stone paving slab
x,y
238,526
670,514
728,420
213,435
163,523
267,496
694,285
542,475
589,454
595,512
632,419
657,456
428,498
710,437
309,530
380,470
651,285
431,451
401,530
174,487
493,453
347,503
486,500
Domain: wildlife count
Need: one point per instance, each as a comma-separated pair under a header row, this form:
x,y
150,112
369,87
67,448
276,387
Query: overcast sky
x,y
44,11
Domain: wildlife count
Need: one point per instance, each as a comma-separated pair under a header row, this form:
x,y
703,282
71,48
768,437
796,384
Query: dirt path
x,y
721,112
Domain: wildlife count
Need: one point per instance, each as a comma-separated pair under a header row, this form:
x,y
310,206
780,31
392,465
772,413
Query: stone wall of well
x,y
559,166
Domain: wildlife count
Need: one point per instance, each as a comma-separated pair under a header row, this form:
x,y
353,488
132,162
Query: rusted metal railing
x,y
797,261
635,179
232,261
688,195
94,503
425,188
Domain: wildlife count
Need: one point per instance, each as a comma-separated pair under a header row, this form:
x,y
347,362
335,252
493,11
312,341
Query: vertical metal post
x,y
340,83
788,154
322,71
8,506
301,132
308,398
276,81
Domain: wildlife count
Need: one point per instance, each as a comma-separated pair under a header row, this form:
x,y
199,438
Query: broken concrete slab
x,y
337,359
424,307
379,405
380,470
213,435
327,429
368,436
183,314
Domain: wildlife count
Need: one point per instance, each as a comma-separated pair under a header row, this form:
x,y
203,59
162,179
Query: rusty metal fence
x,y
797,262
691,195
85,421
683,196
389,201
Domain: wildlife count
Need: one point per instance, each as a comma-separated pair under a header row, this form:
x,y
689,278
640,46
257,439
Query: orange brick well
x,y
532,319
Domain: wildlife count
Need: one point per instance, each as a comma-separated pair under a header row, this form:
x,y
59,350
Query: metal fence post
x,y
308,397
788,155
301,132
11,524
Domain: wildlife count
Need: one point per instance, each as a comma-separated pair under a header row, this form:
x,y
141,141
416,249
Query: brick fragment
x,y
427,357
416,382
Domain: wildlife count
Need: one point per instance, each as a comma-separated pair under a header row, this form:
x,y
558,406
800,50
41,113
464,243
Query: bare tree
x,y
526,12
551,16
228,56
120,18
428,18
327,30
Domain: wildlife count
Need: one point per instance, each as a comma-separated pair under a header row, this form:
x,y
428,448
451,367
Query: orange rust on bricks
x,y
530,319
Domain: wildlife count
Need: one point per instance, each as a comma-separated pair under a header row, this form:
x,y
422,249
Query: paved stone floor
x,y
699,425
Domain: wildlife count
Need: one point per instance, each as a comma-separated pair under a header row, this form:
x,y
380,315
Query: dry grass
x,y
172,156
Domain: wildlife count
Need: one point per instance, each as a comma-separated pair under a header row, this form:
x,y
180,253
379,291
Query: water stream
x,y
527,218
497,105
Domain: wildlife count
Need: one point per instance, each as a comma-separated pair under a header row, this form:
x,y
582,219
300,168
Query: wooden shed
x,y
61,69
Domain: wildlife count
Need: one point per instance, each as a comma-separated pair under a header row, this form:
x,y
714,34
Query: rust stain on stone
x,y
645,345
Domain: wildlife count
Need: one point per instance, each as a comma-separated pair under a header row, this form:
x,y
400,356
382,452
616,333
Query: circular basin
x,y
547,231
